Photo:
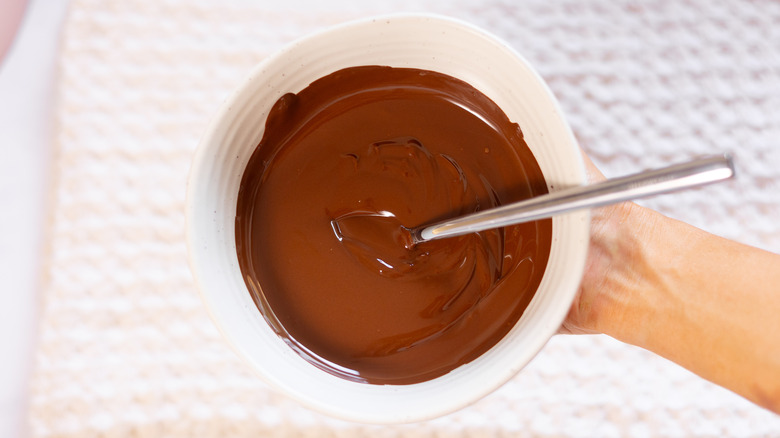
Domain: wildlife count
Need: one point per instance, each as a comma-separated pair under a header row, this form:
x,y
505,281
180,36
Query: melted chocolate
x,y
342,166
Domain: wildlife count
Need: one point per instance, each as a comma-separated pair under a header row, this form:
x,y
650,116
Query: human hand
x,y
704,302
613,266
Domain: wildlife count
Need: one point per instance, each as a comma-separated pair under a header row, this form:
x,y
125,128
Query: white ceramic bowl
x,y
419,41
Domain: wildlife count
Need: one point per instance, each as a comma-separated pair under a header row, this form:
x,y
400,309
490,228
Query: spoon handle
x,y
695,173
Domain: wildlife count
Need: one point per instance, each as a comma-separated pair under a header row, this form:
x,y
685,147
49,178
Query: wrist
x,y
699,300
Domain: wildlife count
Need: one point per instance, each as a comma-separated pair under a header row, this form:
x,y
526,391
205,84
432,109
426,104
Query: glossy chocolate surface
x,y
342,166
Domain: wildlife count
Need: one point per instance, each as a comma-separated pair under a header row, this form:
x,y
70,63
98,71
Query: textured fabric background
x,y
126,348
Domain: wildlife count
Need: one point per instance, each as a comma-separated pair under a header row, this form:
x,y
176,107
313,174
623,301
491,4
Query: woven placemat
x,y
126,347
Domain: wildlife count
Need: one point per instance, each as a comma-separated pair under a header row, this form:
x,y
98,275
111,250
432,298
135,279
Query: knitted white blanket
x,y
126,347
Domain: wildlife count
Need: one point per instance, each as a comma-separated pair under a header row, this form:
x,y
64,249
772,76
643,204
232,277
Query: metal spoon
x,y
653,182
